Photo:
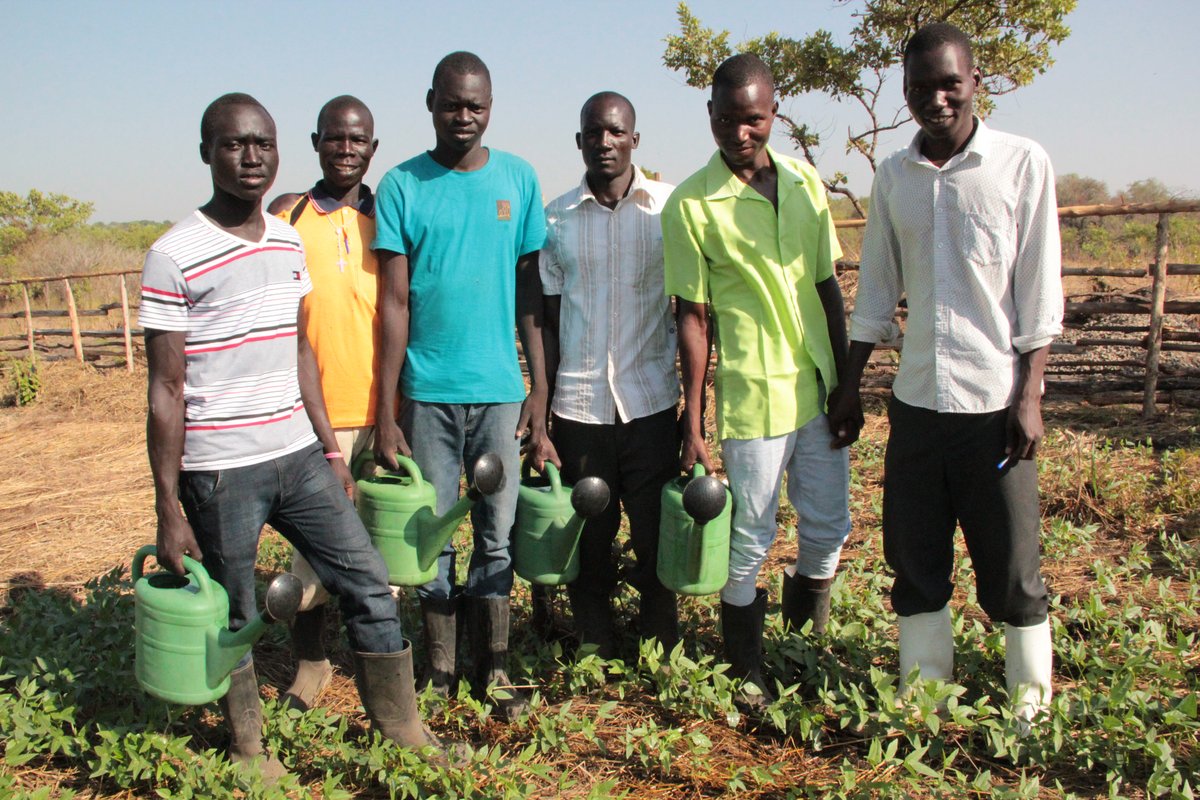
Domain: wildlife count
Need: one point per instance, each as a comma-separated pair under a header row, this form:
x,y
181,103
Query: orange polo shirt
x,y
343,319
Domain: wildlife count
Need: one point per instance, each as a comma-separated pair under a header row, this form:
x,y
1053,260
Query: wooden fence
x,y
1081,363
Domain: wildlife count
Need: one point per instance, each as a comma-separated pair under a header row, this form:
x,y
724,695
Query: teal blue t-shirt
x,y
463,233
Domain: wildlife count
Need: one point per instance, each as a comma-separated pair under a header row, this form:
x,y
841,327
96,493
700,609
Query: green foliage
x,y
1124,722
1012,43
26,380
22,218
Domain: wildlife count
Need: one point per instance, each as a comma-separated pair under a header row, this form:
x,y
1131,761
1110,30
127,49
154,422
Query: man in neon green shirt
x,y
751,236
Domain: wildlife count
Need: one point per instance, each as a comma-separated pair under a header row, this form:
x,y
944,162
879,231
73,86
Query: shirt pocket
x,y
987,240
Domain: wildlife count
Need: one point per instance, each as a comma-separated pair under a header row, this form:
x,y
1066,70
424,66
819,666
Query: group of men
x,y
354,325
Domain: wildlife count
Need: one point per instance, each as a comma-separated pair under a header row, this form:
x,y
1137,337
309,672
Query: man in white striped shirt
x,y
610,354
237,430
964,223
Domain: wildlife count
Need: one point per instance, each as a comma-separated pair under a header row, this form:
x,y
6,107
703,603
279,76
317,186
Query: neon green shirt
x,y
724,244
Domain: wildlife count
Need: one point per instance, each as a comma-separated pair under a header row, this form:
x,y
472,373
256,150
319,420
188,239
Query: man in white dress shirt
x,y
610,354
964,224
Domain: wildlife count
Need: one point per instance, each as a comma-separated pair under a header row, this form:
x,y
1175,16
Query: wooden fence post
x,y
1157,297
125,326
28,318
74,315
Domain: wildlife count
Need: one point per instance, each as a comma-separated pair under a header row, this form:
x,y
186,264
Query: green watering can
x,y
184,650
550,519
693,536
398,510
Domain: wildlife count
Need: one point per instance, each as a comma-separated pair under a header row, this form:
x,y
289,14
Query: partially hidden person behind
x,y
750,237
610,354
963,223
336,223
458,230
237,429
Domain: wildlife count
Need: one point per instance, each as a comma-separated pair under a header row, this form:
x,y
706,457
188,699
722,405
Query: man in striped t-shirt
x,y
237,428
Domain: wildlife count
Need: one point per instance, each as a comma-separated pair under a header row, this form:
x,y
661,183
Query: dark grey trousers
x,y
941,469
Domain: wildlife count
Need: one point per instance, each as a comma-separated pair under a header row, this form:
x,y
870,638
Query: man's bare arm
x,y
1025,427
164,444
393,319
530,320
842,398
309,377
695,343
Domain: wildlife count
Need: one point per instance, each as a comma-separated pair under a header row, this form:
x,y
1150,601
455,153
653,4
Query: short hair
x,y
219,105
935,35
741,70
460,62
340,102
608,97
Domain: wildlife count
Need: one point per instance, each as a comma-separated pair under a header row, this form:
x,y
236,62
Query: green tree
x,y
1012,41
22,218
1077,190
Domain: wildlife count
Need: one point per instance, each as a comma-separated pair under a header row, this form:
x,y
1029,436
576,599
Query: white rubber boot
x,y
1028,663
927,641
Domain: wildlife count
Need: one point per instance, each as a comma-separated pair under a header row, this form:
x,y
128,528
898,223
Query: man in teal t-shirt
x,y
458,229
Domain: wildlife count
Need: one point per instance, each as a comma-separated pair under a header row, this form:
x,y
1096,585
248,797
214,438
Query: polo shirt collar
x,y
720,182
325,204
980,145
585,193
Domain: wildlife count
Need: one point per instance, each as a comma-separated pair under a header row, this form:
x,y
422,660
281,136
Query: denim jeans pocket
x,y
196,489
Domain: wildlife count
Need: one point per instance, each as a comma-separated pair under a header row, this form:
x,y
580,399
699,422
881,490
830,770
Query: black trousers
x,y
635,459
942,469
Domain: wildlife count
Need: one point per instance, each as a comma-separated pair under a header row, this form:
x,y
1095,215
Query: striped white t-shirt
x,y
237,301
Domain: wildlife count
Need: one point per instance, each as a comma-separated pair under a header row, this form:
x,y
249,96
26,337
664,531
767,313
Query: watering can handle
x,y
405,464
698,470
193,566
551,474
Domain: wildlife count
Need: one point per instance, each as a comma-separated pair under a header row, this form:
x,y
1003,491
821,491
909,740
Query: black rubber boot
x,y
243,714
593,621
385,686
440,616
313,670
742,631
489,619
805,599
658,614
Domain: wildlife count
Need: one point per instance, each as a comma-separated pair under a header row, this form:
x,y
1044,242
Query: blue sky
x,y
102,100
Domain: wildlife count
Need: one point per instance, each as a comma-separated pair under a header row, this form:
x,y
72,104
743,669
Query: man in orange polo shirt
x,y
336,221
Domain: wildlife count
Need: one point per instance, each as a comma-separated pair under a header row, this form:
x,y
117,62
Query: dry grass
x,y
76,497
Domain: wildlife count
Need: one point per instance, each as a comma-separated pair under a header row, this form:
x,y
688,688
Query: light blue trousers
x,y
818,486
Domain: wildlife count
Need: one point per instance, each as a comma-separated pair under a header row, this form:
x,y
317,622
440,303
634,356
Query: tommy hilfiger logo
x,y
295,274
503,210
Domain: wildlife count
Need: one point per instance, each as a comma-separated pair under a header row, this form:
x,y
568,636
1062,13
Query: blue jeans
x,y
301,497
444,437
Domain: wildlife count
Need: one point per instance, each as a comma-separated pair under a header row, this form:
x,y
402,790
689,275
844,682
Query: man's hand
x,y
175,540
1025,428
694,449
389,440
845,416
538,448
342,471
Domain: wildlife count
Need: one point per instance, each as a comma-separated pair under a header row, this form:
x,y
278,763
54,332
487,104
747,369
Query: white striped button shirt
x,y
974,246
616,333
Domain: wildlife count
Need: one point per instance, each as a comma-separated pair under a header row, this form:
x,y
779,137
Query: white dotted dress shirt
x,y
974,246
616,332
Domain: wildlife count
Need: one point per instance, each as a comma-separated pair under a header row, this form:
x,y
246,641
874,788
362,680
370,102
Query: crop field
x,y
1121,545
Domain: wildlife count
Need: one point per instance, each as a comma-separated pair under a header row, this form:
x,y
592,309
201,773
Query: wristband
x,y
332,456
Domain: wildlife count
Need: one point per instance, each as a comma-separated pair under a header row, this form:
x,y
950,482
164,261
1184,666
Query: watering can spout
x,y
487,478
226,648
